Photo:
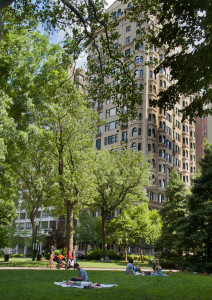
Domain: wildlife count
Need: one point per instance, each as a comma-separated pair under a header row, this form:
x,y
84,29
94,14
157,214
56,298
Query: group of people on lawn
x,y
83,277
157,270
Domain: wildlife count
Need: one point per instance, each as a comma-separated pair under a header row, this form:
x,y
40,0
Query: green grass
x,y
27,262
38,285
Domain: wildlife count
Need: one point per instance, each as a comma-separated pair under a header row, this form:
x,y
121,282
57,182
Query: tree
x,y
70,129
86,19
198,226
30,167
53,118
8,190
186,25
182,24
121,179
86,231
173,215
135,224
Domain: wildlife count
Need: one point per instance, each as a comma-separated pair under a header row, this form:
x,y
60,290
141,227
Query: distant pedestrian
x,y
51,257
75,255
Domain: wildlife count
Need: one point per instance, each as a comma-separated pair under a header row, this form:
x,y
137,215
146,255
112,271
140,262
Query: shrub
x,y
1,254
98,253
134,257
18,255
57,252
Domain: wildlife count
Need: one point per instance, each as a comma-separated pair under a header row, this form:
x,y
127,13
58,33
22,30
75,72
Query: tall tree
x,y
71,127
121,179
135,225
173,214
8,190
198,225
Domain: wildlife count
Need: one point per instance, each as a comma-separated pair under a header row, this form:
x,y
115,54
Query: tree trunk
x,y
86,248
141,253
104,237
70,221
125,250
33,214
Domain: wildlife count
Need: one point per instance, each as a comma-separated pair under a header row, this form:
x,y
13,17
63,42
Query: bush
x,y
134,257
18,255
98,253
57,252
1,254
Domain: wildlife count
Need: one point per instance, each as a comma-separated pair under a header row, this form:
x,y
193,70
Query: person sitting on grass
x,y
158,270
82,274
129,267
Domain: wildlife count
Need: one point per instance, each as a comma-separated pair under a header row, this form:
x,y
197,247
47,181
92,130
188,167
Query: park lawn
x,y
27,262
39,285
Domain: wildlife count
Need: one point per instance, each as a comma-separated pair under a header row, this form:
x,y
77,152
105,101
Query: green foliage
x,y
120,180
18,255
173,215
198,225
98,253
134,224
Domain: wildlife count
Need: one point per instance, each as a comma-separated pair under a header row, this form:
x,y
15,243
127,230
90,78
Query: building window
x,y
128,40
149,147
136,73
204,133
150,59
98,144
127,53
134,131
134,146
124,136
150,74
137,60
141,59
139,131
128,28
119,12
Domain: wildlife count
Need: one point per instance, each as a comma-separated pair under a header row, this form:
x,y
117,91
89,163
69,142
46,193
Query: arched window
x,y
119,12
140,116
141,59
150,88
134,146
139,131
114,15
164,139
164,84
139,146
160,139
153,163
141,73
159,183
134,131
149,132
160,168
137,60
153,133
153,148
149,147
136,73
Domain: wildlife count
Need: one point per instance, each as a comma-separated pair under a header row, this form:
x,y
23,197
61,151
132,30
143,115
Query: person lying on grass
x,y
82,274
79,283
